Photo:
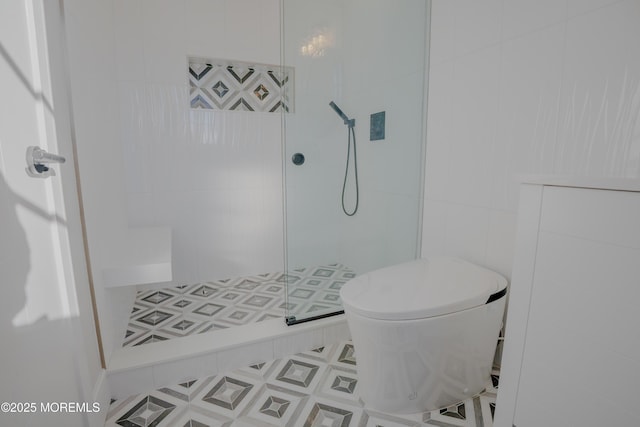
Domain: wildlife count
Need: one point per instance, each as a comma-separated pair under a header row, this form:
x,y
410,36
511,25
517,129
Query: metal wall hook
x,y
37,160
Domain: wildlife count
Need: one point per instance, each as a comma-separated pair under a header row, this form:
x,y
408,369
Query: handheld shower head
x,y
343,116
351,124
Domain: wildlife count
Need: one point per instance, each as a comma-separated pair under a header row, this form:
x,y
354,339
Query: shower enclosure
x,y
353,181
185,237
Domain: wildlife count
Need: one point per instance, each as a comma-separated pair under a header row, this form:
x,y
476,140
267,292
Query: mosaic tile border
x,y
218,84
313,388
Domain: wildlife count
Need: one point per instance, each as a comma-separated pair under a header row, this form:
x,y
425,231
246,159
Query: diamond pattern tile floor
x,y
179,311
314,388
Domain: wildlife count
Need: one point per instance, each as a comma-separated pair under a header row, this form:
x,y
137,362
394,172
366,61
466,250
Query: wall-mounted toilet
x,y
424,332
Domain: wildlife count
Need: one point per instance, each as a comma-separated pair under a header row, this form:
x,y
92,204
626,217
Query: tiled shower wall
x,y
391,43
523,87
374,62
213,176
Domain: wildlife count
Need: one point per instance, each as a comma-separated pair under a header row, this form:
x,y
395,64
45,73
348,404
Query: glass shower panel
x,y
354,144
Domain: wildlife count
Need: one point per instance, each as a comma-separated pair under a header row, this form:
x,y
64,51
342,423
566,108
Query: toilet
x,y
424,332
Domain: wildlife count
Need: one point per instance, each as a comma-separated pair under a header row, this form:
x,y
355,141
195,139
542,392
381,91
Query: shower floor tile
x,y
179,311
314,388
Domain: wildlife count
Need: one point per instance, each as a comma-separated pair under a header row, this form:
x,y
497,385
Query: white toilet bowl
x,y
424,332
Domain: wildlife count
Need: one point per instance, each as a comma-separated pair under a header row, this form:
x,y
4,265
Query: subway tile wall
x,y
213,176
372,65
518,88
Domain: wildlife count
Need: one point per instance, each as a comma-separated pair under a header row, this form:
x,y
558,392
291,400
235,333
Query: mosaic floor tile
x,y
345,356
340,384
155,317
257,301
260,372
151,338
377,419
204,291
327,413
197,417
323,354
154,409
314,388
274,405
157,297
228,393
235,316
302,293
208,309
184,310
182,326
248,285
182,303
297,373
456,411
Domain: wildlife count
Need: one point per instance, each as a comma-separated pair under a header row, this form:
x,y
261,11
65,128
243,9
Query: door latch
x,y
37,161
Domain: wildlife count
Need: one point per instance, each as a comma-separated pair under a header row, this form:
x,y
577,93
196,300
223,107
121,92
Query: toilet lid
x,y
420,289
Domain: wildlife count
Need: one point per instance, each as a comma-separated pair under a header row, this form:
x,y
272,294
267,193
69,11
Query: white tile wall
x,y
474,108
528,108
501,241
466,232
439,130
127,383
599,104
92,69
337,332
213,177
183,370
523,87
524,16
577,7
163,32
433,227
246,355
375,65
146,159
443,31
477,25
206,24
130,46
289,344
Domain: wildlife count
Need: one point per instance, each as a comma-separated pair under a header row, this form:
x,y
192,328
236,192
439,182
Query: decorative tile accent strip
x,y
217,84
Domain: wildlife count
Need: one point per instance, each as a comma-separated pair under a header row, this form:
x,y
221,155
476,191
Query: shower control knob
x,y
298,159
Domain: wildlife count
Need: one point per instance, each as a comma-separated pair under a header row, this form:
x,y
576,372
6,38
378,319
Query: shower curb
x,y
134,370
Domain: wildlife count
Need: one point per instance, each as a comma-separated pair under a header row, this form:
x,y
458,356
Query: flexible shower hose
x,y
351,131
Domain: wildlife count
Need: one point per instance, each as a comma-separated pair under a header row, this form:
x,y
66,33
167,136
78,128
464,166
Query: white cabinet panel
x,y
582,342
572,346
600,215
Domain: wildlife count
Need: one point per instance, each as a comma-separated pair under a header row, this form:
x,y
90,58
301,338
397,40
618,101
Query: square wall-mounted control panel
x,y
376,126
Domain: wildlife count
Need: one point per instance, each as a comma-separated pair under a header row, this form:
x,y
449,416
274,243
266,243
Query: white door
x,y
48,347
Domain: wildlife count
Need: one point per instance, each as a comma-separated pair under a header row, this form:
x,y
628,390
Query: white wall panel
x,y
564,79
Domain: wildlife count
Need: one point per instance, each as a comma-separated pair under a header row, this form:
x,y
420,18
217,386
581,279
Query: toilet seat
x,y
423,288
